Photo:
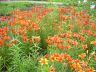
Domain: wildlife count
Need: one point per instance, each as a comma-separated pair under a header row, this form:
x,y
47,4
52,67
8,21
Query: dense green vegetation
x,y
35,34
6,8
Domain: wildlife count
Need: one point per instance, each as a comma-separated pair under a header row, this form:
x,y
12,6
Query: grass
x,y
6,8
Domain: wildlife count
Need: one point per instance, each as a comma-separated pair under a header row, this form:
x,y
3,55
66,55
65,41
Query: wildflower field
x,y
48,38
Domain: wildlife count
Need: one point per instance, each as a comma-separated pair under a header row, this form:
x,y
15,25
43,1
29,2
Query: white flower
x,y
92,6
79,2
85,1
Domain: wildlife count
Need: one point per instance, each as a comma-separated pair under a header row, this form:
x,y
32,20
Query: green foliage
x,y
22,61
23,56
6,8
1,63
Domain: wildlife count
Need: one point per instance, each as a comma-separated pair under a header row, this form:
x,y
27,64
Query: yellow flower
x,y
93,42
43,61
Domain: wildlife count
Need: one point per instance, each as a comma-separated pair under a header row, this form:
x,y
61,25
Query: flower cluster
x,y
63,39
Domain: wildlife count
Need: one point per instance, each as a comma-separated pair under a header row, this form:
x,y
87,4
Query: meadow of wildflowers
x,y
48,39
